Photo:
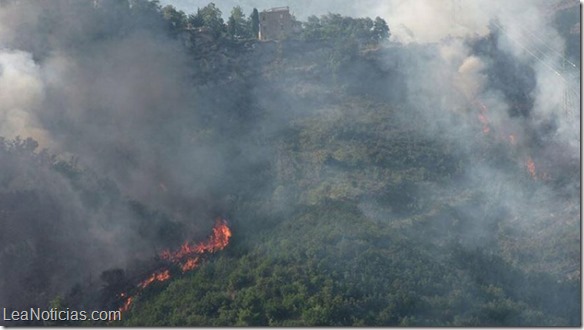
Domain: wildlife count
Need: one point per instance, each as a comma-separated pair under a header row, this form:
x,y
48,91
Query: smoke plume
x,y
104,86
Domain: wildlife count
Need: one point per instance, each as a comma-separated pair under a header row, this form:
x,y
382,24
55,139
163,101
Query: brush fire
x,y
483,116
188,257
529,164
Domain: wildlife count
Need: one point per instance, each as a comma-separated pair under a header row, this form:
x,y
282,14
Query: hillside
x,y
368,222
175,168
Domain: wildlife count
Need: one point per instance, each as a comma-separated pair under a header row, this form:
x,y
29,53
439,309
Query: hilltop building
x,y
276,24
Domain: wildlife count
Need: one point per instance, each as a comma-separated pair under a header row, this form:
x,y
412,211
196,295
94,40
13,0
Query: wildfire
x,y
126,304
216,242
530,164
190,264
483,116
156,277
511,138
187,256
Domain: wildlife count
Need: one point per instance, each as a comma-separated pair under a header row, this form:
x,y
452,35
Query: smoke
x,y
21,96
108,85
524,36
498,92
471,79
146,157
111,101
89,80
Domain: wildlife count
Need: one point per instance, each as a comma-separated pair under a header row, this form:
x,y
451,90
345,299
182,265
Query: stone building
x,y
276,24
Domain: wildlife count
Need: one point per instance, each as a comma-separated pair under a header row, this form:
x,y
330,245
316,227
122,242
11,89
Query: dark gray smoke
x,y
505,97
104,82
151,146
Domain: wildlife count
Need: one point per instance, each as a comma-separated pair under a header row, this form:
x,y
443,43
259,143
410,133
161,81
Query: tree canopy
x,y
237,25
337,27
255,23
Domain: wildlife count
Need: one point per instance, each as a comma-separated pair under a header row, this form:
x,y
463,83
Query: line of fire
x,y
508,137
182,260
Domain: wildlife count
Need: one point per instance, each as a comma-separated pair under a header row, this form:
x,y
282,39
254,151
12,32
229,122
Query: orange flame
x,y
190,264
216,242
192,253
126,305
530,164
156,277
483,116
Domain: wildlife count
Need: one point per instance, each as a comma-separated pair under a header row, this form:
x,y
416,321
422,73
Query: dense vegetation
x,y
343,213
362,247
330,265
331,26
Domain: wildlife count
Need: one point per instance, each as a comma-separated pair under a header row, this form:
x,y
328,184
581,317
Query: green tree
x,y
361,29
312,28
380,30
255,23
237,26
195,21
210,16
339,28
176,19
232,27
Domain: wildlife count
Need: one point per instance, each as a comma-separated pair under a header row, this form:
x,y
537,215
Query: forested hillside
x,y
365,182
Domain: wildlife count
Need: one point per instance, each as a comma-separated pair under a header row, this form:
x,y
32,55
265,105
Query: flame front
x,y
156,277
190,264
216,242
126,305
187,256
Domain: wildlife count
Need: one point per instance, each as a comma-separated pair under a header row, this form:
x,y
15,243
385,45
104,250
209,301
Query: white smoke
x,y
21,97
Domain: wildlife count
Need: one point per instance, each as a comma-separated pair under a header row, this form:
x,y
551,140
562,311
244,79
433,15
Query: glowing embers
x,y
187,257
530,165
127,302
512,139
190,264
483,116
